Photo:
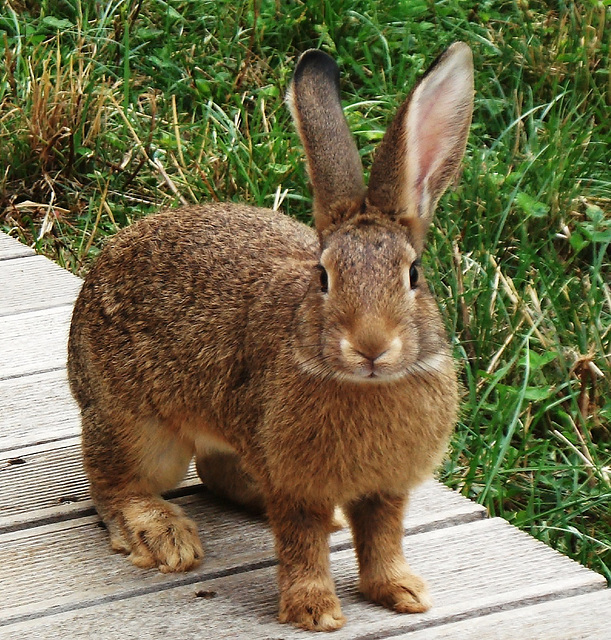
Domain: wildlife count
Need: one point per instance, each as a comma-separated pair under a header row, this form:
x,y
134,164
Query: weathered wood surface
x,y
35,341
36,408
42,485
77,565
11,248
33,283
473,569
575,618
60,578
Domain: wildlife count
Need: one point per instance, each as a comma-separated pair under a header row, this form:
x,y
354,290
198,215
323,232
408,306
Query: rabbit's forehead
x,y
373,249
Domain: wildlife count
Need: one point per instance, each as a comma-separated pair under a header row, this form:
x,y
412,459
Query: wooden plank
x,y
33,283
472,569
565,619
40,480
11,248
48,484
35,409
35,341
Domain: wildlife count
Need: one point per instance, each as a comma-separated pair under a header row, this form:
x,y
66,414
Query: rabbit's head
x,y
368,315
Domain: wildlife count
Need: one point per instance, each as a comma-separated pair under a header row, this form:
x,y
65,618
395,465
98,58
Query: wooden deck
x,y
60,579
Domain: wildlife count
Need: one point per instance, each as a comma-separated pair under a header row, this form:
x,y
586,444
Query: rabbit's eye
x,y
324,279
413,276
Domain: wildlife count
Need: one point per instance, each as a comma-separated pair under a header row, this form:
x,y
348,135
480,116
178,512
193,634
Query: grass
x,y
111,109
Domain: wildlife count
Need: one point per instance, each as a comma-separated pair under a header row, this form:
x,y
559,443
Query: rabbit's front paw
x,y
312,609
407,593
161,536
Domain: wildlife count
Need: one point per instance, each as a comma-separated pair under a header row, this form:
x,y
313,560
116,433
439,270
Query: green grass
x,y
111,109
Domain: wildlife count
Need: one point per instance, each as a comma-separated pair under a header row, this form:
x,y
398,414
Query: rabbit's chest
x,y
359,446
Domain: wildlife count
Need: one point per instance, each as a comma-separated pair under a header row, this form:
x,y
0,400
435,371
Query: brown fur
x,y
206,332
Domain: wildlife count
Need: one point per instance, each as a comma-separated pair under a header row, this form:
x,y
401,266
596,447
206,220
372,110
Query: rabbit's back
x,y
173,296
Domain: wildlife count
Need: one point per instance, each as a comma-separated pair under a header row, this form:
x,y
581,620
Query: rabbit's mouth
x,y
376,375
369,370
435,364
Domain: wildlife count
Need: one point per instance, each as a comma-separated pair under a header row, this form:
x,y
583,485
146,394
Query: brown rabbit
x,y
303,369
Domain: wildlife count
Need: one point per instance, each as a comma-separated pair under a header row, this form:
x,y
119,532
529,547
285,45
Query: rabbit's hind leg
x,y
222,473
129,466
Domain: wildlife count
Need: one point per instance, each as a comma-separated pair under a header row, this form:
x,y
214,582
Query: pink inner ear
x,y
433,127
424,145
429,148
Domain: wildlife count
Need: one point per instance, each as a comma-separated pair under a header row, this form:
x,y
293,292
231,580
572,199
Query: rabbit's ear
x,y
425,143
334,164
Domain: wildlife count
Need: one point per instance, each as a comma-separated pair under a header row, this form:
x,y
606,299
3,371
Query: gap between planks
x,y
34,341
37,409
572,618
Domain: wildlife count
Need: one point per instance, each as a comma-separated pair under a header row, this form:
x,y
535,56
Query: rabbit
x,y
304,369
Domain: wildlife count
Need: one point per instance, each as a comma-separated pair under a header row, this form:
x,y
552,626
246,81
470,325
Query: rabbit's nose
x,y
371,350
372,353
371,339
385,351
